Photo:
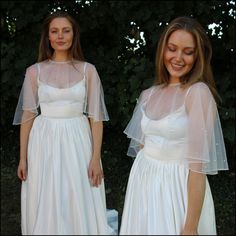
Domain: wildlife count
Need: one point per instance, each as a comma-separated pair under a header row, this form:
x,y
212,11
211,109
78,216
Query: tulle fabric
x,y
134,130
61,75
201,142
57,197
28,102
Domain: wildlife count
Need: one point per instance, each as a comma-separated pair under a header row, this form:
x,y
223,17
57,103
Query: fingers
x,y
96,179
21,173
20,176
99,178
24,175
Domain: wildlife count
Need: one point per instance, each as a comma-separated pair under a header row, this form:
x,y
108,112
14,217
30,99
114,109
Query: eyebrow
x,y
67,27
185,47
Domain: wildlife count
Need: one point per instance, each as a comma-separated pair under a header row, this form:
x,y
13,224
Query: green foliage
x,y
106,27
125,70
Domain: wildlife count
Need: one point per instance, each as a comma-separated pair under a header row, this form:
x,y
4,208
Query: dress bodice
x,y
165,137
170,127
62,89
62,102
50,94
180,124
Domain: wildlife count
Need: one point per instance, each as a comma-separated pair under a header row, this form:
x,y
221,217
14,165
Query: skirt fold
x,y
57,197
156,199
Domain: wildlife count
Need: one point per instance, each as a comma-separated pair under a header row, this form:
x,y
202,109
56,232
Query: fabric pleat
x,y
156,199
57,197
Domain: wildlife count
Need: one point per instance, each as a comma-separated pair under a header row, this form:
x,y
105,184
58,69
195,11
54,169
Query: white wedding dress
x,y
157,195
57,197
156,198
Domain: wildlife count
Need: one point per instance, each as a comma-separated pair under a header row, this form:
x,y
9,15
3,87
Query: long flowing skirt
x,y
156,200
57,197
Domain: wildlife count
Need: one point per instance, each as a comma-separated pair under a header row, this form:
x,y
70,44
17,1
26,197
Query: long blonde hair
x,y
45,49
201,70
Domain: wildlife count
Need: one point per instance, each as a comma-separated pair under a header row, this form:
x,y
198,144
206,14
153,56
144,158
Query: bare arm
x,y
95,170
24,137
196,193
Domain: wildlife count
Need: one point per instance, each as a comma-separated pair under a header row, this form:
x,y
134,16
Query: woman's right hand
x,y
22,170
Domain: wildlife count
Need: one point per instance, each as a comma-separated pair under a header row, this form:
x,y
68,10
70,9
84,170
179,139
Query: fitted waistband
x,y
61,111
164,149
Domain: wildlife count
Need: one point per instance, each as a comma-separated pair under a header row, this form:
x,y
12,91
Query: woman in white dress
x,y
177,139
60,145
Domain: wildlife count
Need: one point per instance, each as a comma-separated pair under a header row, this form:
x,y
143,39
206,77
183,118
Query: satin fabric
x,y
57,197
157,194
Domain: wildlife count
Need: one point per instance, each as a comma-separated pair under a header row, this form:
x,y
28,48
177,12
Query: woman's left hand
x,y
95,172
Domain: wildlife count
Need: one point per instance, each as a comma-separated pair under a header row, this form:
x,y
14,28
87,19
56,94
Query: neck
x,y
60,56
174,80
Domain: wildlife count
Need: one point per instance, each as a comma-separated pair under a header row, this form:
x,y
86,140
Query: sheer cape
x,y
204,149
60,75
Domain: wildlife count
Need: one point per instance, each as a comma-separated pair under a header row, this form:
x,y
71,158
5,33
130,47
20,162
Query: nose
x,y
178,55
60,34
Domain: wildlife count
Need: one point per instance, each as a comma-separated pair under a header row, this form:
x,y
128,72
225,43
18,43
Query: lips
x,y
60,43
177,67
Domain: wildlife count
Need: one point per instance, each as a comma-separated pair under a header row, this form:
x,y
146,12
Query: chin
x,y
61,49
177,74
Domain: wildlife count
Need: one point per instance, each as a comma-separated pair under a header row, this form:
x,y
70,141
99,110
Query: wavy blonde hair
x,y
201,70
45,49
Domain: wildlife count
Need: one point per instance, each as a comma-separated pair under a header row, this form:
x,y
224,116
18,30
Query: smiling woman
x,y
60,164
177,140
179,54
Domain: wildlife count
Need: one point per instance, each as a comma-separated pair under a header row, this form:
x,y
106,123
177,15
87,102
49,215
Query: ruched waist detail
x,y
61,110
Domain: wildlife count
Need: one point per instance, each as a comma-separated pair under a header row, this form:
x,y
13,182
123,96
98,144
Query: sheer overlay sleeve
x,y
94,105
28,102
205,144
134,128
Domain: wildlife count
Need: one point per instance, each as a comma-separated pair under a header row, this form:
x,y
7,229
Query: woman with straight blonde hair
x,y
177,140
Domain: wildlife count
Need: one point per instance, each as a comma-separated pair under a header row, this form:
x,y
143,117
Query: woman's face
x,y
60,34
179,54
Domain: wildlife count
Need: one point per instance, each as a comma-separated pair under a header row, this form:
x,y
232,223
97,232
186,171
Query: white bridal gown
x,y
57,197
156,197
